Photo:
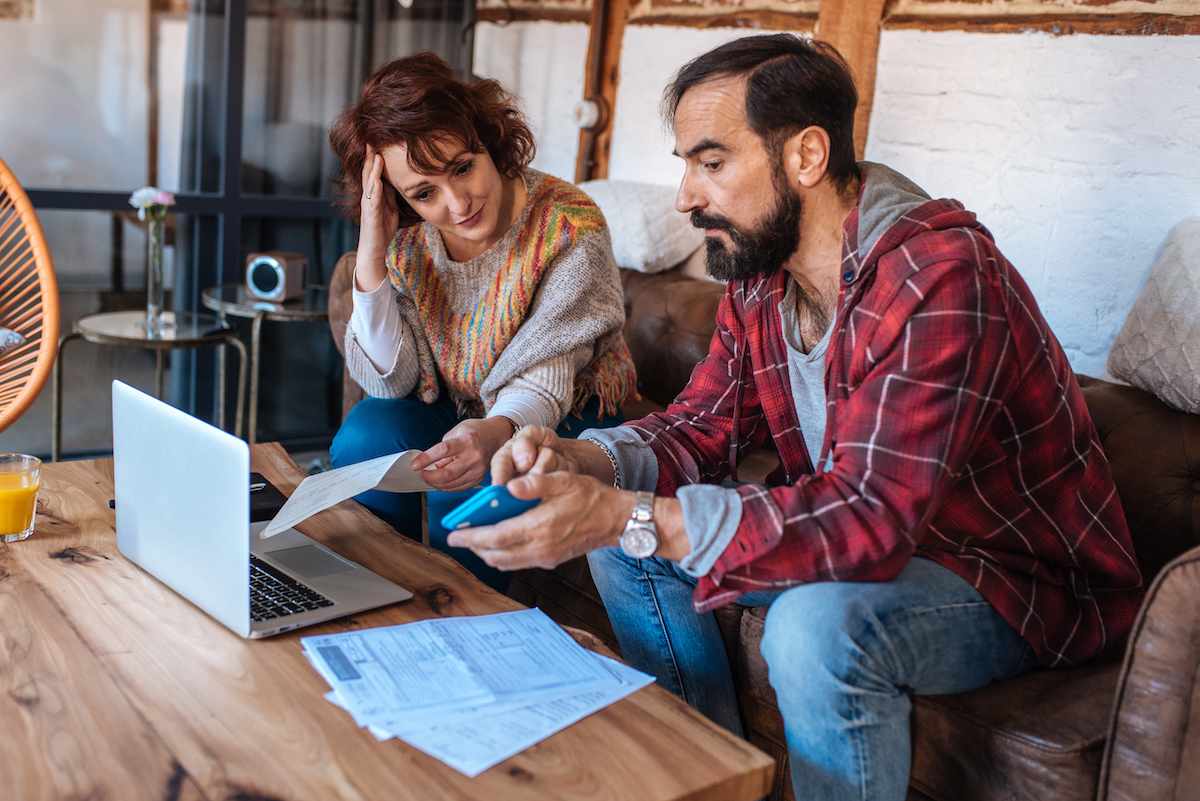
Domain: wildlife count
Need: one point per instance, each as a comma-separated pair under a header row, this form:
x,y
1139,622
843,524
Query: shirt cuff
x,y
524,410
711,515
635,459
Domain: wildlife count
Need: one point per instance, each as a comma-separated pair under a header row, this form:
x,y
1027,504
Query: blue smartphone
x,y
485,508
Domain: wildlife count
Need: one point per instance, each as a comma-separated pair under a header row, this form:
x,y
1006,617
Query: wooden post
x,y
600,85
852,26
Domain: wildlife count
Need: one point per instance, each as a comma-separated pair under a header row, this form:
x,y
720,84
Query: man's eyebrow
x,y
701,146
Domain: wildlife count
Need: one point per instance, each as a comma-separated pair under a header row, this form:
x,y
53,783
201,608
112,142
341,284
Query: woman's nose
x,y
458,202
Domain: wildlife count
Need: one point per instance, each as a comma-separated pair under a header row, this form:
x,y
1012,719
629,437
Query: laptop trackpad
x,y
309,561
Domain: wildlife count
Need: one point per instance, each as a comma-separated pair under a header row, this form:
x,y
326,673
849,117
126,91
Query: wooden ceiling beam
x,y
600,86
853,26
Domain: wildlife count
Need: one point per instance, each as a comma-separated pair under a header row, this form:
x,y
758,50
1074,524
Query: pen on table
x,y
112,503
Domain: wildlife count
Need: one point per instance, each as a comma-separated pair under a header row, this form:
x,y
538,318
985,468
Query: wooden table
x,y
113,686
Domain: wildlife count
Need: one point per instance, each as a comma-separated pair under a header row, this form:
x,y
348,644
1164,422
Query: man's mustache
x,y
713,221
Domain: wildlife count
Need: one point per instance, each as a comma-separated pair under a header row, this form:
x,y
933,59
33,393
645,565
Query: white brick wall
x,y
543,64
1079,153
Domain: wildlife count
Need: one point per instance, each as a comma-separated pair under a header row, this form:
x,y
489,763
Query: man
x,y
943,515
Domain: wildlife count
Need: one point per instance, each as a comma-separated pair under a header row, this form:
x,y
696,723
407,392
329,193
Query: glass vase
x,y
154,323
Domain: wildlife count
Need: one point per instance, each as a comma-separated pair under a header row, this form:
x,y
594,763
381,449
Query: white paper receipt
x,y
391,473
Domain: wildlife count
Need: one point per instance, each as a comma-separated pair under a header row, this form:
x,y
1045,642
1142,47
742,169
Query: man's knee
x,y
816,627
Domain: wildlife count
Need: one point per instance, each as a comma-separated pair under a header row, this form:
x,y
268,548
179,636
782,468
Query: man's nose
x,y
688,198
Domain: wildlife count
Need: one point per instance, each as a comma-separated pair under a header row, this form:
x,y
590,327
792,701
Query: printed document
x,y
471,691
391,473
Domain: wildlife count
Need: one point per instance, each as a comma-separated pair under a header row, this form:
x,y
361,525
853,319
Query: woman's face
x,y
465,202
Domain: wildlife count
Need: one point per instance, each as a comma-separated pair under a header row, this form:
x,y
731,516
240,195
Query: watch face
x,y
640,542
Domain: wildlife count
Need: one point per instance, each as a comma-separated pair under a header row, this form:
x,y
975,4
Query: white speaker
x,y
276,275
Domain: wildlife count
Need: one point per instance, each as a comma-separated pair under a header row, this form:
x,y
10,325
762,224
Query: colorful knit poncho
x,y
462,347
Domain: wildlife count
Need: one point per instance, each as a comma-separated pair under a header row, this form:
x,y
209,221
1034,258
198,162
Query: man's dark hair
x,y
791,83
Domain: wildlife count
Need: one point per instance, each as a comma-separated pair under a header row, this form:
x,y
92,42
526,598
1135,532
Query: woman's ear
x,y
806,156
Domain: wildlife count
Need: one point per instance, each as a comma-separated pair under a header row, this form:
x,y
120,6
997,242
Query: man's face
x,y
733,186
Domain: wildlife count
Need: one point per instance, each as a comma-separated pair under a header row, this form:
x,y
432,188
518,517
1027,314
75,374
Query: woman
x,y
486,297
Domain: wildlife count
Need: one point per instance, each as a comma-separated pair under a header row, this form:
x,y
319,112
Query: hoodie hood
x,y
891,210
886,197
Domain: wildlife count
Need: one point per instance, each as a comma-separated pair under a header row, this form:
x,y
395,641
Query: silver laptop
x,y
183,515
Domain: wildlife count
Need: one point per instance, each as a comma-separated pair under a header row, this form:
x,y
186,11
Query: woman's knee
x,y
354,439
380,426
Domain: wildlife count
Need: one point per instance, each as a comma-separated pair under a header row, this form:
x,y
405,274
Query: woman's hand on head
x,y
379,220
461,459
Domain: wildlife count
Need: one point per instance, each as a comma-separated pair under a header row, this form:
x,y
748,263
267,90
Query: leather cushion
x,y
669,323
1040,735
1152,450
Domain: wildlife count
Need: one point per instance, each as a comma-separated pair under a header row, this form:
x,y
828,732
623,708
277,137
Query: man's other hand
x,y
534,449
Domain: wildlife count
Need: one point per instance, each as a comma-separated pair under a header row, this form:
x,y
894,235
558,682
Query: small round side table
x,y
183,330
312,306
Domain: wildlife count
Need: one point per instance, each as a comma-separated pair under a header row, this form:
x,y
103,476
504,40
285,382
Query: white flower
x,y
148,197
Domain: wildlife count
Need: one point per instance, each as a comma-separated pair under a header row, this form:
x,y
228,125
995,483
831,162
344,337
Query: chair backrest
x,y
28,300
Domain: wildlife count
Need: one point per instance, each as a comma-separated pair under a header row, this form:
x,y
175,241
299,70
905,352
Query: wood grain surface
x,y
114,687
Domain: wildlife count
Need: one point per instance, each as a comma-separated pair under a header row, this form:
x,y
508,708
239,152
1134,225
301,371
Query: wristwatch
x,y
640,537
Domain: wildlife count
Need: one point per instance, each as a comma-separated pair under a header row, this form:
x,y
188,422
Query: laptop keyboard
x,y
275,594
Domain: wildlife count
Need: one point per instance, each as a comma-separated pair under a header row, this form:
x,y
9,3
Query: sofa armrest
x,y
1153,749
341,298
341,305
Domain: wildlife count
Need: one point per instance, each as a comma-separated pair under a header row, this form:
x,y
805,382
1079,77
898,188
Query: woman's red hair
x,y
416,101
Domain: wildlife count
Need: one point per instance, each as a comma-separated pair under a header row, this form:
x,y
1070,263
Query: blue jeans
x,y
379,426
843,659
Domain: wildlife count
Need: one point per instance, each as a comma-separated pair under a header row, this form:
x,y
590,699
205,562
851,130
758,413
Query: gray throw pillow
x,y
1158,347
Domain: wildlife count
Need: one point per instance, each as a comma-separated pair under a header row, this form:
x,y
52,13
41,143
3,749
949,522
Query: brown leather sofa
x,y
1123,727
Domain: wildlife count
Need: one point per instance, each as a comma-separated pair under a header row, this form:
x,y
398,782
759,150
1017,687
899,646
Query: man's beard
x,y
762,251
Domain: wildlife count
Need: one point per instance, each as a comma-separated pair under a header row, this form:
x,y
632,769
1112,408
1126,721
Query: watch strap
x,y
643,507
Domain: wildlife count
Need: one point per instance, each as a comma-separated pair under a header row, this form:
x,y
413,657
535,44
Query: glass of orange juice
x,y
20,477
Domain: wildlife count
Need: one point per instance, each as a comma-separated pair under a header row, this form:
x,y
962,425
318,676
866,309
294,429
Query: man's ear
x,y
806,157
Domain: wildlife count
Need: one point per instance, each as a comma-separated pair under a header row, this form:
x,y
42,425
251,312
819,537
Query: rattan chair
x,y
28,300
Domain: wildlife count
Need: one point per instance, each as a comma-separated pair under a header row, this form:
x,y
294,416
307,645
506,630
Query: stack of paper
x,y
471,691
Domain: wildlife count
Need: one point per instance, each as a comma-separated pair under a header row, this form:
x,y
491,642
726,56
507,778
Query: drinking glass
x,y
19,482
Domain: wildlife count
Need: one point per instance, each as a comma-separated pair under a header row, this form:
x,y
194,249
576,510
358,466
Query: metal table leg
x,y
56,419
255,350
221,381
158,373
232,339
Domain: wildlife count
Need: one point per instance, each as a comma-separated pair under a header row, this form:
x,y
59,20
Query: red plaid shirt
x,y
956,429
